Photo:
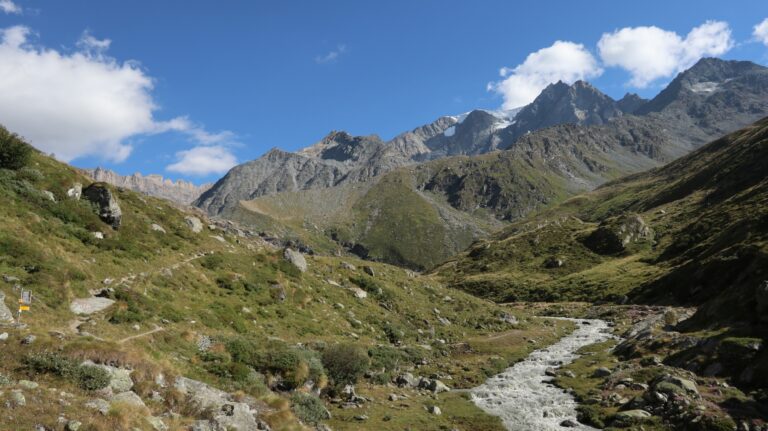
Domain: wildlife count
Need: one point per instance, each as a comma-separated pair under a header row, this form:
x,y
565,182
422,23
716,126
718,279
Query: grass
x,y
196,288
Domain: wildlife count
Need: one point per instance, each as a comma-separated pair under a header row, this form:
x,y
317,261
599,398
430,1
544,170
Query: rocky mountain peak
x,y
630,103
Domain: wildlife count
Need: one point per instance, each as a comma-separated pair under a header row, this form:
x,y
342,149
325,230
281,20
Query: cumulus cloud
x,y
332,55
650,53
563,61
82,103
760,32
204,160
9,7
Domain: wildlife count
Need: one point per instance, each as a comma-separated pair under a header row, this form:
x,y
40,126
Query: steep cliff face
x,y
180,191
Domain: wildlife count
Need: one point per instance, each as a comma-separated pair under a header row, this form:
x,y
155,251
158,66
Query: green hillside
x,y
692,233
226,308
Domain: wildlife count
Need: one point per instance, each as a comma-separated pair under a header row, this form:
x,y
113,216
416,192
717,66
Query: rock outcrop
x,y
179,191
108,207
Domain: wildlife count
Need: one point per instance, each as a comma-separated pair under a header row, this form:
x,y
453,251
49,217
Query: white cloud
x,y
563,61
82,103
650,53
8,6
89,43
331,56
204,160
760,32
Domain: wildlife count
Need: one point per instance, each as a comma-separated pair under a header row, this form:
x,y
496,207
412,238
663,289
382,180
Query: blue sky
x,y
187,88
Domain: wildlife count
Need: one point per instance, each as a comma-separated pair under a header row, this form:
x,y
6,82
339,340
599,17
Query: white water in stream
x,y
521,396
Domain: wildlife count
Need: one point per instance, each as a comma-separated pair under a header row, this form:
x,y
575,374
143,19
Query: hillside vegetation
x,y
207,300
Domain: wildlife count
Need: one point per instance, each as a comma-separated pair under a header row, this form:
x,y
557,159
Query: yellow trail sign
x,y
23,307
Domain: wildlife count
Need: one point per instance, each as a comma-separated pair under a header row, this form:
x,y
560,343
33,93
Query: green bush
x,y
49,362
91,378
345,363
14,153
310,409
87,377
212,261
387,358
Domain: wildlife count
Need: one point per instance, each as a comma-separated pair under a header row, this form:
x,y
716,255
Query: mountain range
x,y
181,192
429,193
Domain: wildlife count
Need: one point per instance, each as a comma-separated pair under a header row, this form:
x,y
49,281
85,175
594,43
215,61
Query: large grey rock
x,y
194,224
6,316
108,208
119,378
90,305
128,397
98,404
17,398
75,192
226,413
633,414
296,258
157,228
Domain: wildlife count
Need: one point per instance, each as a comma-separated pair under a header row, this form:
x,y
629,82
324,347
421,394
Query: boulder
x,y
369,270
296,259
90,305
226,413
358,292
553,262
348,266
157,228
17,398
75,192
194,224
49,195
601,372
27,384
74,425
3,336
108,207
29,339
6,316
99,405
406,380
569,423
129,398
119,378
435,410
638,414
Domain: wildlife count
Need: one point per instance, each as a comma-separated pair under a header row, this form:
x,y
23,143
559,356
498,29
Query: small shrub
x,y
14,153
387,358
91,378
310,409
49,362
345,363
87,377
212,261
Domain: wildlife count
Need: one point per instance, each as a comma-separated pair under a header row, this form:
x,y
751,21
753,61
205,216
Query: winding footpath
x,y
522,397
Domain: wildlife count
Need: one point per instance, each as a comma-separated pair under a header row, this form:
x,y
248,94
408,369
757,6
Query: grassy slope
x,y
227,295
706,209
709,214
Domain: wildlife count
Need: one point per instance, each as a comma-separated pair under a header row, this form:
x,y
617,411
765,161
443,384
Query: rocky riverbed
x,y
522,395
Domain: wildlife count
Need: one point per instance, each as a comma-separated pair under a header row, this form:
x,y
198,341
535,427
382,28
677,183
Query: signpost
x,y
24,302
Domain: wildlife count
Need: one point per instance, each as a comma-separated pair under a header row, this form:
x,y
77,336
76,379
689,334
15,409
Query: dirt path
x,y
143,334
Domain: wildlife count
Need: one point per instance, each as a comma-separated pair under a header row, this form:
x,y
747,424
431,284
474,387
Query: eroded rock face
x,y
109,209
